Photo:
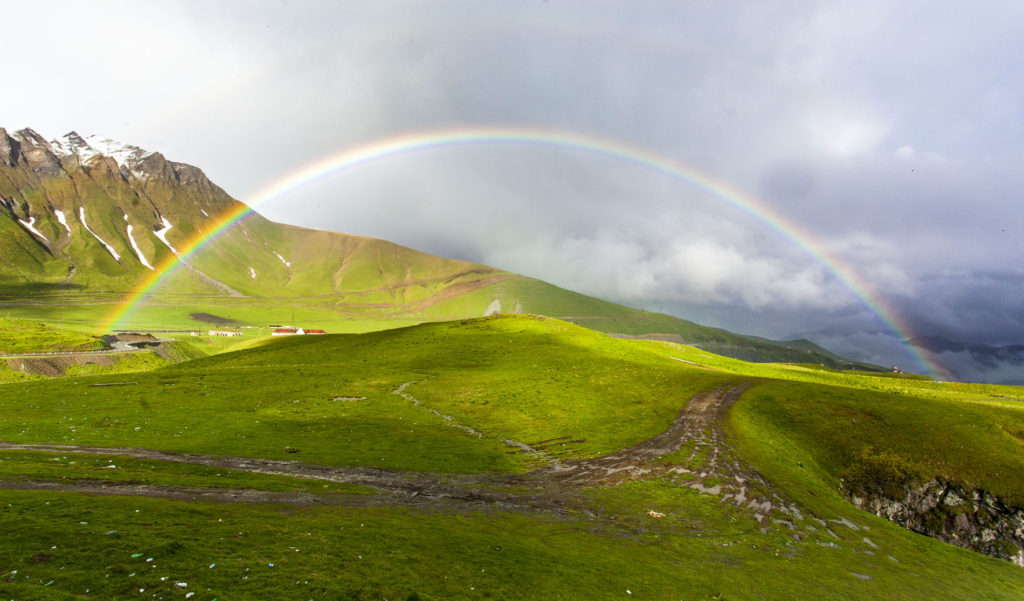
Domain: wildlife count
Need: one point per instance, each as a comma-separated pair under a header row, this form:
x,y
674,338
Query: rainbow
x,y
405,144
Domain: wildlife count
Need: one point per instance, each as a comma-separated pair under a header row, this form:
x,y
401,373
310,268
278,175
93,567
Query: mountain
x,y
84,220
96,214
974,361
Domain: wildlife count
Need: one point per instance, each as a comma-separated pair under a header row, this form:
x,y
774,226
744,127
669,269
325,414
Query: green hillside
x,y
506,458
20,336
119,217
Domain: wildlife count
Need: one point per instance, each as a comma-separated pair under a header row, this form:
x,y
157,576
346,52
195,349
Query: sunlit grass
x,y
331,400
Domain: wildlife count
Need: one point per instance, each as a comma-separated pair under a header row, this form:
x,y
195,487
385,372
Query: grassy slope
x,y
23,336
968,433
264,400
977,442
525,378
519,377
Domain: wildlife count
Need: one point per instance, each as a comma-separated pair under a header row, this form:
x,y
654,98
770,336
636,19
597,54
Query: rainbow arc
x,y
421,141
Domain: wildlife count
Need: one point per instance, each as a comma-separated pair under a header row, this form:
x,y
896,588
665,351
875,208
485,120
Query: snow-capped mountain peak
x,y
91,146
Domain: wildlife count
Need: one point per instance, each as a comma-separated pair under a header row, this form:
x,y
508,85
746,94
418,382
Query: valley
x,y
453,431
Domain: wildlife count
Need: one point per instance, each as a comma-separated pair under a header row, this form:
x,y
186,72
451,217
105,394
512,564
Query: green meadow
x,y
28,336
446,410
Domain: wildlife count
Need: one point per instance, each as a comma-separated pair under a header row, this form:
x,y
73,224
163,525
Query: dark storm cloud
x,y
888,132
972,307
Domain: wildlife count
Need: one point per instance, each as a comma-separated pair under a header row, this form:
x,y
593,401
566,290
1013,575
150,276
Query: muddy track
x,y
387,481
178,493
395,487
695,422
462,499
711,468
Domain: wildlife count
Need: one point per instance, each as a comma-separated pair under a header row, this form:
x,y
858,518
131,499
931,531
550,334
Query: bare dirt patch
x,y
58,365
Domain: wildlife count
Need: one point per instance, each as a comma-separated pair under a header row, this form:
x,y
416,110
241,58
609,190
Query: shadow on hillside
x,y
12,287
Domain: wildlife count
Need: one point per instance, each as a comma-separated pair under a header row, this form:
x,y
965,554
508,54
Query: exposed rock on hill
x,y
972,519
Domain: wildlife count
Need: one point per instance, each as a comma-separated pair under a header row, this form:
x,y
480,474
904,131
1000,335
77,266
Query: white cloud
x,y
846,133
875,261
905,152
697,271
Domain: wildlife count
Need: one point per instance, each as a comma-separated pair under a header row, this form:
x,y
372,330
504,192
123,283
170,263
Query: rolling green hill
x,y
81,218
509,457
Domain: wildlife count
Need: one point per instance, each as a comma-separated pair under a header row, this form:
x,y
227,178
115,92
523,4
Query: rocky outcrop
x,y
38,153
9,149
972,519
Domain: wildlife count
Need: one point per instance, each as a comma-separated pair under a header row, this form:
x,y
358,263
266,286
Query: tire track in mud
x,y
424,497
179,493
394,487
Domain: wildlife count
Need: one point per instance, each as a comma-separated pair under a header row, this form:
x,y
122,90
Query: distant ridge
x,y
965,360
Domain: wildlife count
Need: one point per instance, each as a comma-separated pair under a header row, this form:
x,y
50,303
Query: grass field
x,y
446,410
21,335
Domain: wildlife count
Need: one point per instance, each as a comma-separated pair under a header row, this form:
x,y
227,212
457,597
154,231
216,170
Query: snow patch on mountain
x,y
29,225
62,220
286,263
59,148
81,217
135,247
162,234
92,146
205,214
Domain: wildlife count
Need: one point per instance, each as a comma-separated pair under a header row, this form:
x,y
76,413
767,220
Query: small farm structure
x,y
293,331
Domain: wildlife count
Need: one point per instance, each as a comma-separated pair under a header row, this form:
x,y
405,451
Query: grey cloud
x,y
889,132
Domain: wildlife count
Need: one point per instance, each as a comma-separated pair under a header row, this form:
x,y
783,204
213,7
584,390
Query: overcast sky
x,y
890,131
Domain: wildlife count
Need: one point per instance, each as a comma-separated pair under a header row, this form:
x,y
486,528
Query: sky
x,y
887,134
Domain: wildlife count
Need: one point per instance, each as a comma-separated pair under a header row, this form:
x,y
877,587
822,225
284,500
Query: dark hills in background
x,y
1004,364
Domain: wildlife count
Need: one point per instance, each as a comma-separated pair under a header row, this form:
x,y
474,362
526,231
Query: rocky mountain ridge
x,y
149,183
